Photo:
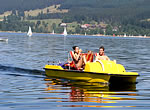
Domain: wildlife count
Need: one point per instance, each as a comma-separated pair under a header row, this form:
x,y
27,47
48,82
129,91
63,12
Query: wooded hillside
x,y
93,9
124,16
24,5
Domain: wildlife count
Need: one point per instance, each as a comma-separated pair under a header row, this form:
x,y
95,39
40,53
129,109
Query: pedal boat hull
x,y
99,71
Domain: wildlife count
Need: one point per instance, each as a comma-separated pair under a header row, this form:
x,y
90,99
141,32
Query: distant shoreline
x,y
83,34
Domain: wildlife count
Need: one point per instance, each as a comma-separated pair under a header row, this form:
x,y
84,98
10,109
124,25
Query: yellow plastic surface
x,y
105,66
54,67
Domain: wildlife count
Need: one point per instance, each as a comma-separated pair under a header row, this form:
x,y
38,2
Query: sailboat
x,y
29,32
65,32
125,35
53,32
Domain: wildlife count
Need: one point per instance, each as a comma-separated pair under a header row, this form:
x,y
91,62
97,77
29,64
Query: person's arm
x,y
107,58
96,56
76,57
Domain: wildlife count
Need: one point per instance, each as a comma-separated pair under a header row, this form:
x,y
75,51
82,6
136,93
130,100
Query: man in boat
x,y
101,55
77,57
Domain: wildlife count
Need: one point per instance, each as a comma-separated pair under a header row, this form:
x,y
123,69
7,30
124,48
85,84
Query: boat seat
x,y
72,64
89,56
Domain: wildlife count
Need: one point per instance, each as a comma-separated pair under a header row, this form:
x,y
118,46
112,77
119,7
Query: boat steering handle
x,y
101,64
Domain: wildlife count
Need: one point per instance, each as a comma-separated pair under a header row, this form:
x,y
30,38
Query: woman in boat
x,y
101,55
77,57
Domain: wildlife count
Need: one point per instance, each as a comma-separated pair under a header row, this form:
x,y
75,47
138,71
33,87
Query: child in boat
x,y
101,55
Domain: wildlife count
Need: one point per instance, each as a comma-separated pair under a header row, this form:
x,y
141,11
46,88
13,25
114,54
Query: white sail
x,y
53,32
125,35
29,32
65,32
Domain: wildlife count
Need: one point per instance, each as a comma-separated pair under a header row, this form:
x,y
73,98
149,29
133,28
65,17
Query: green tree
x,y
38,23
109,30
77,29
54,26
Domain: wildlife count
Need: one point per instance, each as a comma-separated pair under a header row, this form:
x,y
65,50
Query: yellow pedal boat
x,y
99,71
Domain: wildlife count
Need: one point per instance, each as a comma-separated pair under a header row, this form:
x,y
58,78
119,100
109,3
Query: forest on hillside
x,y
130,16
25,5
93,9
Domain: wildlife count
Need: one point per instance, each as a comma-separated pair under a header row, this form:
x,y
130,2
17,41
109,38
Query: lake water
x,y
23,84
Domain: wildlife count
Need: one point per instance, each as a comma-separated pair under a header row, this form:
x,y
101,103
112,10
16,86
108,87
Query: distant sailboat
x,y
85,34
125,35
29,32
53,32
65,32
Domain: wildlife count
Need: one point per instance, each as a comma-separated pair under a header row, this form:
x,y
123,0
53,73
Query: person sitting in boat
x,y
77,57
101,55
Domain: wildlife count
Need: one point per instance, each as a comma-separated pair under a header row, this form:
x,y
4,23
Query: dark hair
x,y
102,47
74,47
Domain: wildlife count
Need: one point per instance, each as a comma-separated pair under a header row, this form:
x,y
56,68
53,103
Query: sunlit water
x,y
23,84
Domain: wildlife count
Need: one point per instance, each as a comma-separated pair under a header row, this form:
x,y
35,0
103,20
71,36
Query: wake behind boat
x,y
3,40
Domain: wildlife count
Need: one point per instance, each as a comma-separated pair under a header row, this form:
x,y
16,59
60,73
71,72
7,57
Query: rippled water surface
x,y
23,84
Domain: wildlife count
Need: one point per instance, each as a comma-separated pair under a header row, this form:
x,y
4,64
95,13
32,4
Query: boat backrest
x,y
71,54
72,64
89,56
96,54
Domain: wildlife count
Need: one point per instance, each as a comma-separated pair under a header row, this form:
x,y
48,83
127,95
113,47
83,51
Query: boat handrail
x,y
100,63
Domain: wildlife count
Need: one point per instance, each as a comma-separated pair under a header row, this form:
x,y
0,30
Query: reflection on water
x,y
91,92
23,84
